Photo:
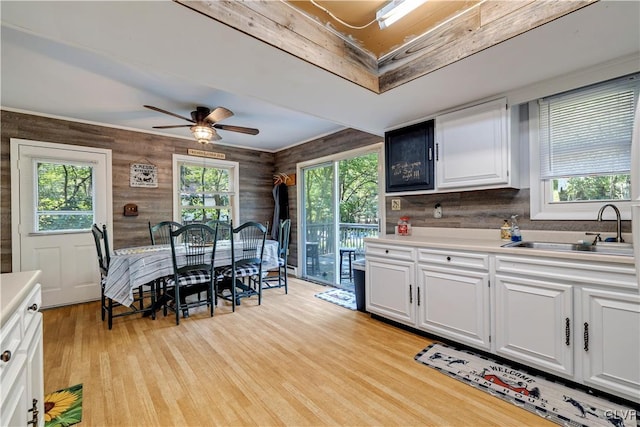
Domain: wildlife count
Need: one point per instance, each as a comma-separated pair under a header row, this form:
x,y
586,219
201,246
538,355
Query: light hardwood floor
x,y
295,360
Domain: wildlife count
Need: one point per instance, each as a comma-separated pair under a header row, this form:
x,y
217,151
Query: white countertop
x,y
14,287
483,240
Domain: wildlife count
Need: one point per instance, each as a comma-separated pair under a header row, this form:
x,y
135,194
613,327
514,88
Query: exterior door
x,y
319,223
59,191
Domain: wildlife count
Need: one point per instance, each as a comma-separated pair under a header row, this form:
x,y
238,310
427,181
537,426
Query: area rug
x,y
549,399
343,298
63,407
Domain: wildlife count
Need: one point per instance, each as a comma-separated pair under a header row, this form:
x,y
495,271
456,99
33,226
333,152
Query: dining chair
x,y
107,305
193,250
273,281
160,233
243,277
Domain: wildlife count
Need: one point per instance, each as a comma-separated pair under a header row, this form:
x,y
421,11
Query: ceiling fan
x,y
205,123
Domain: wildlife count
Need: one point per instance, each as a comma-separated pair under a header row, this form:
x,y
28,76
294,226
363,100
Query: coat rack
x,y
283,178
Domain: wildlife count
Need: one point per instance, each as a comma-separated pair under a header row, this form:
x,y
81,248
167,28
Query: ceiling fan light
x,y
395,10
202,134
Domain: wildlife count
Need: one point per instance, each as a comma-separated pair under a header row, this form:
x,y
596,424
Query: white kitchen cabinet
x,y
390,282
610,341
534,323
21,366
453,296
582,320
474,149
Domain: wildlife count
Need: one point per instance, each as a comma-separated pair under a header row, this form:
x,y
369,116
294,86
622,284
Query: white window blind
x,y
588,131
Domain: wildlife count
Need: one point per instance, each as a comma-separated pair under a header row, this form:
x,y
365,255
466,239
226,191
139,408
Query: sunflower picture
x,y
63,407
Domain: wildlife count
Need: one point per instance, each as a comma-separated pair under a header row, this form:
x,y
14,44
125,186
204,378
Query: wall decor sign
x,y
209,154
143,175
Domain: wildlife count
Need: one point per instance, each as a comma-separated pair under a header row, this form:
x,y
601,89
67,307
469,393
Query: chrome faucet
x,y
619,238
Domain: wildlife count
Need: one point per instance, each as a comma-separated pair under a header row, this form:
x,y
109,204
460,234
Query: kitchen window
x,y
581,150
205,189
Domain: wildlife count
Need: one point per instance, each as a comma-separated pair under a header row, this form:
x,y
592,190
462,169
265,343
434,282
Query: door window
x,y
64,197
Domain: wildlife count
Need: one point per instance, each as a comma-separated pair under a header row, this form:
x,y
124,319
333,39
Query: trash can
x,y
358,267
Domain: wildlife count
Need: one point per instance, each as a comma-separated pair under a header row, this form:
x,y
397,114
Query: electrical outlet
x,y
437,211
395,204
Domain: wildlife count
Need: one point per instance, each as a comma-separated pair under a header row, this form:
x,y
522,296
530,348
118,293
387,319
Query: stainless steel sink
x,y
624,249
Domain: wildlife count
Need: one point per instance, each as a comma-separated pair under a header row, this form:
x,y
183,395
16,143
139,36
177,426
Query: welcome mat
x,y
63,407
554,401
341,297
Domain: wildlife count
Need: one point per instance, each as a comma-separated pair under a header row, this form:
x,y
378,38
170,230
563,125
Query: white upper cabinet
x,y
474,148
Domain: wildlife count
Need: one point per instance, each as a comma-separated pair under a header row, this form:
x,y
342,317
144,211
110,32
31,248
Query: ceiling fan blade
x,y
218,113
160,110
172,126
250,131
215,136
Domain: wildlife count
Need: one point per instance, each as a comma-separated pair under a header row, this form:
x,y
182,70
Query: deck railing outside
x,y
351,236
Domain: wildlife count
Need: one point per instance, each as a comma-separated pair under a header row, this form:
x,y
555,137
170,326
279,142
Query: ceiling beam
x,y
480,28
487,24
283,27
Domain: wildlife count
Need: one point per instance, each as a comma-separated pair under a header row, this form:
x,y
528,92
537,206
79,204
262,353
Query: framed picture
x,y
143,175
409,158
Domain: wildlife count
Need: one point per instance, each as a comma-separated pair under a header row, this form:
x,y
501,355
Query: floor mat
x,y
549,399
341,297
63,407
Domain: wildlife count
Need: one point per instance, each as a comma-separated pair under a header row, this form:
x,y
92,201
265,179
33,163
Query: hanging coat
x,y
281,208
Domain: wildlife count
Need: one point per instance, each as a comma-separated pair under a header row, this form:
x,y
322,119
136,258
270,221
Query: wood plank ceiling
x,y
437,34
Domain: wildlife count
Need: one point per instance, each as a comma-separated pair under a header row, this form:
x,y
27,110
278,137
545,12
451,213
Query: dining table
x,y
133,267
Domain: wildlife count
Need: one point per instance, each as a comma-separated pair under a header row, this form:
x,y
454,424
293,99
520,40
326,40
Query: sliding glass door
x,y
318,222
339,208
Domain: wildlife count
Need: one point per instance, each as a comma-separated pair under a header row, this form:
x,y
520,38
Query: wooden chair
x,y
243,278
280,280
160,233
107,305
193,250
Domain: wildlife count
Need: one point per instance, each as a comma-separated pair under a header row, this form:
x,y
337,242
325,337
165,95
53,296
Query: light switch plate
x,y
395,204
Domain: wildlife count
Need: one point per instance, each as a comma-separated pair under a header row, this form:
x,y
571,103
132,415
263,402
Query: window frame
x,y
234,182
541,208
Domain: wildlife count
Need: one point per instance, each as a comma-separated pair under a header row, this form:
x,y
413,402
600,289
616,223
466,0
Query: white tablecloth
x,y
134,267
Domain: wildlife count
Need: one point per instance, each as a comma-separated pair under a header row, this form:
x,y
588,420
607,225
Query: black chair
x,y
224,231
160,233
193,250
243,277
107,305
273,281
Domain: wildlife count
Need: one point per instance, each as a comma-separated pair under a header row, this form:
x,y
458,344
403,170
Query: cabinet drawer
x,y
454,258
597,273
390,251
10,338
31,306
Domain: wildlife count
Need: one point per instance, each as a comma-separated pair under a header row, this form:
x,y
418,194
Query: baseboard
x,y
292,270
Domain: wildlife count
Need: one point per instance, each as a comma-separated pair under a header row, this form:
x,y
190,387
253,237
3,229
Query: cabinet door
x,y
13,392
390,288
534,323
35,363
454,303
472,146
610,341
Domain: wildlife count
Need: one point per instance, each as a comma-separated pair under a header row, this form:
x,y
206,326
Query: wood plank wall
x,y
485,209
154,204
461,209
